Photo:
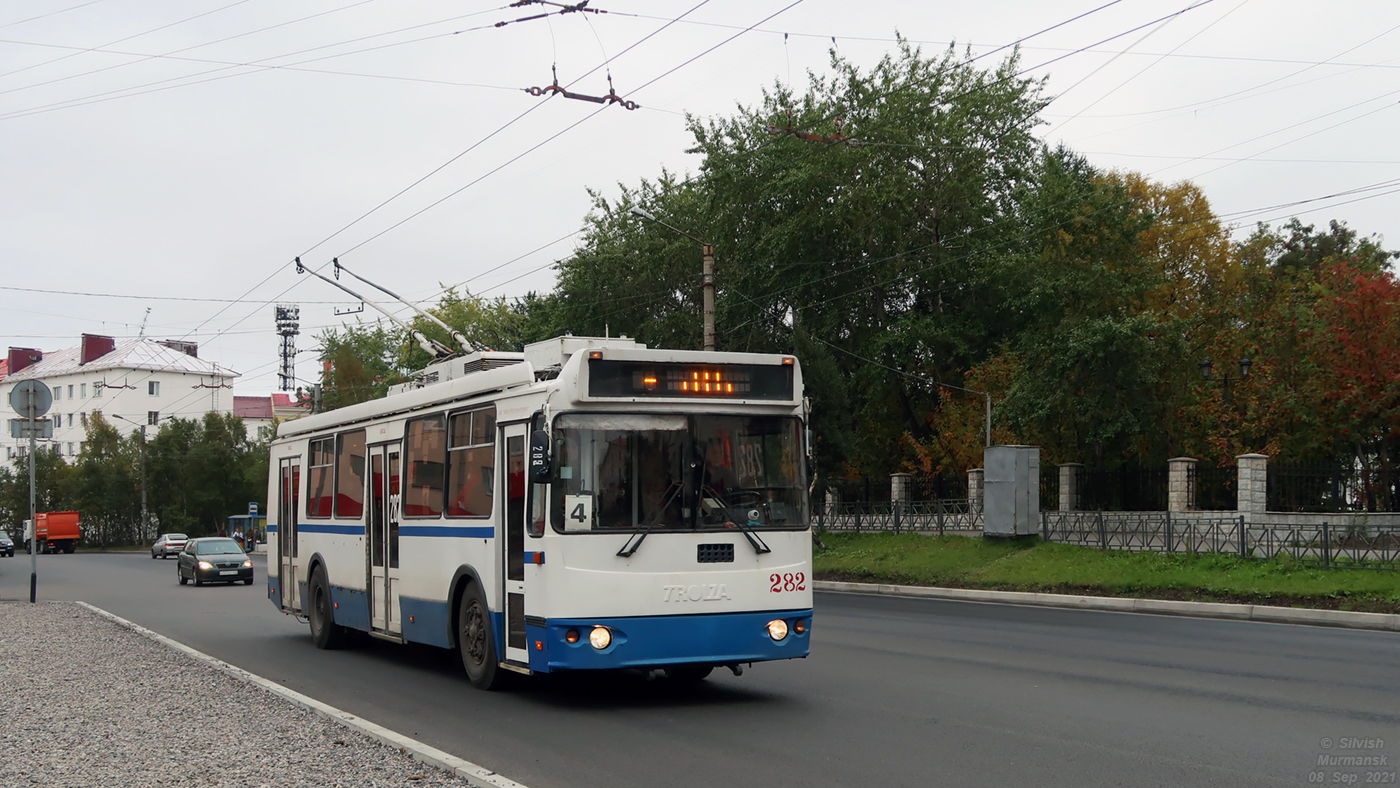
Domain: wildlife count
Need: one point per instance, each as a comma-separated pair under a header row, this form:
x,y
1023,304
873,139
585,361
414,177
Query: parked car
x,y
7,545
168,545
214,559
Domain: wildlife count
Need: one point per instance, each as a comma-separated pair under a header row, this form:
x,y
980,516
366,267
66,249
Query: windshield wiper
x,y
631,546
749,533
752,535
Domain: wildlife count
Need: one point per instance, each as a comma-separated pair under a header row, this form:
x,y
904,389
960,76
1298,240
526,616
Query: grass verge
x,y
1031,565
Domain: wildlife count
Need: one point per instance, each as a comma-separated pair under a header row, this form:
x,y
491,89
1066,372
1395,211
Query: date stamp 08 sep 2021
x,y
1353,760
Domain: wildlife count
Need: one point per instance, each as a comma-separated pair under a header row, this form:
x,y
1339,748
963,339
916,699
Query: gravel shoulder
x,y
87,702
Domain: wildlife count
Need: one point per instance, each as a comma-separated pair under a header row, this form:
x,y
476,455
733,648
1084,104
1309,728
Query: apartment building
x,y
132,382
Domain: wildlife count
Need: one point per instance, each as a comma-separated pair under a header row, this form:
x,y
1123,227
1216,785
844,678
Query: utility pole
x,y
708,282
145,520
707,278
145,517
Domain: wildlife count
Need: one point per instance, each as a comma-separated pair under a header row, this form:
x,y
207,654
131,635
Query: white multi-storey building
x,y
132,383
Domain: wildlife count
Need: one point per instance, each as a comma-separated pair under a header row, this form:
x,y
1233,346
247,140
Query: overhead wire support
x,y
467,345
611,98
563,9
433,348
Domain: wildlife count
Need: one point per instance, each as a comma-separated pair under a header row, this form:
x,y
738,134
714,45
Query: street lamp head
x,y
1244,367
1205,368
635,211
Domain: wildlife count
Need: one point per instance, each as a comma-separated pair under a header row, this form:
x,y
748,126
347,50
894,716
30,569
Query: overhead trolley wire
x,y
420,180
110,43
257,66
49,14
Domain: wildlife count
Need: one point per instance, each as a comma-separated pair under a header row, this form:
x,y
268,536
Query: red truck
x,y
57,531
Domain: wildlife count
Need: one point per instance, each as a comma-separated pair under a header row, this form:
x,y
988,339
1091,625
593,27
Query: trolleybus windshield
x,y
668,472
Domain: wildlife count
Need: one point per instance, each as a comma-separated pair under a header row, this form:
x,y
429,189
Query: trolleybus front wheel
x,y
324,631
475,640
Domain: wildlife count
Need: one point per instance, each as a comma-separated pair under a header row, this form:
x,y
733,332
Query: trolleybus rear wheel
x,y
475,640
324,631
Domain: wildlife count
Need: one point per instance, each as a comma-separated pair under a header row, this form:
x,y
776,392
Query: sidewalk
x,y
86,701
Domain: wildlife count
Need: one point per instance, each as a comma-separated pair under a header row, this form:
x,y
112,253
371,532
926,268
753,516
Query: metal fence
x,y
1125,488
937,517
1325,545
1330,487
924,488
1213,487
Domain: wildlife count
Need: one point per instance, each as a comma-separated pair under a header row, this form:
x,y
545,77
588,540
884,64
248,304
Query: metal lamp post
x,y
1206,367
707,278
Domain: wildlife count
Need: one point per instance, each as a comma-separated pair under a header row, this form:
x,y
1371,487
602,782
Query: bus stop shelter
x,y
251,526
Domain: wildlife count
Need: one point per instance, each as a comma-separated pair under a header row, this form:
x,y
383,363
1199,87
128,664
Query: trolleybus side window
x,y
425,456
350,474
471,462
319,477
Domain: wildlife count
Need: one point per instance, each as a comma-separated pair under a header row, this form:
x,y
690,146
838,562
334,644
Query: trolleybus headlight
x,y
777,629
600,638
800,626
571,636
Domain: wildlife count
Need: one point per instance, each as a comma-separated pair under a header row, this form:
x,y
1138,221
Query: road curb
x,y
1384,622
477,776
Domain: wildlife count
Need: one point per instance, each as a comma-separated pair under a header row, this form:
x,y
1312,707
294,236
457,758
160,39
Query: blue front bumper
x,y
653,641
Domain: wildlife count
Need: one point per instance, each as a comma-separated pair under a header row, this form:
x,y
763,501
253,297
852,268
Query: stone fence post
x,y
1252,484
1181,484
1071,476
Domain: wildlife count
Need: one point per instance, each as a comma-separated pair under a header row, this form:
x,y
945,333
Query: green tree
x,y
107,484
362,360
53,486
884,252
201,472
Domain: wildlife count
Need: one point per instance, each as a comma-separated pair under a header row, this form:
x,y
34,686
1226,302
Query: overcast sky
x,y
188,150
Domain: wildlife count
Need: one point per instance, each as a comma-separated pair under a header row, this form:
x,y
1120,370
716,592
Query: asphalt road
x,y
897,692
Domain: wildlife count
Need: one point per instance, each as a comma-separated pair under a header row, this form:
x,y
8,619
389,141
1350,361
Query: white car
x,y
168,545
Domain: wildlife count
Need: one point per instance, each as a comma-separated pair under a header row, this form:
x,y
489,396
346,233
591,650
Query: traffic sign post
x,y
32,399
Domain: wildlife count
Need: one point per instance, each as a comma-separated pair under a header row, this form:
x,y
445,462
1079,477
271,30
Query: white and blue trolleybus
x,y
587,504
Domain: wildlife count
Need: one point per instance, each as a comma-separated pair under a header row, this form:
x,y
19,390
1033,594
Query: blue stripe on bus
x,y
651,641
425,621
271,528
316,528
464,531
467,531
350,608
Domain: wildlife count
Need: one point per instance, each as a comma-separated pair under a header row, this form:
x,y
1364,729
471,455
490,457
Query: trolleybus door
x,y
287,511
513,543
382,544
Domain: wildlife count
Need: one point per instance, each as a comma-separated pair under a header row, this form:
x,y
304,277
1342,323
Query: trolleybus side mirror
x,y
539,457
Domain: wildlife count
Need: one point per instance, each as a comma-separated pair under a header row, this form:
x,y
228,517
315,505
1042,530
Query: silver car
x,y
168,545
7,545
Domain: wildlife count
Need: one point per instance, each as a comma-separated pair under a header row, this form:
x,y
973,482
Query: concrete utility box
x,y
1011,492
